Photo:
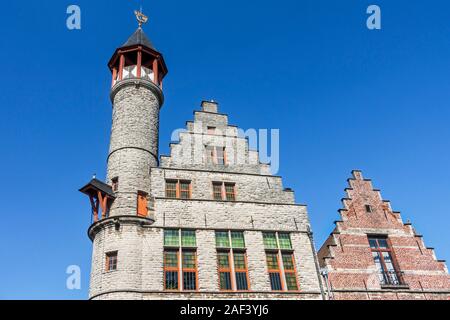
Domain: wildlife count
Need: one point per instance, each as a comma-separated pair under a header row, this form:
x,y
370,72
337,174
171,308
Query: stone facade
x,y
347,256
262,204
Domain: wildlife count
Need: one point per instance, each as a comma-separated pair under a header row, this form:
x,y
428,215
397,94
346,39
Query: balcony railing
x,y
391,278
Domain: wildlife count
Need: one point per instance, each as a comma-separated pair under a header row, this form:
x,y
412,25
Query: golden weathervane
x,y
140,17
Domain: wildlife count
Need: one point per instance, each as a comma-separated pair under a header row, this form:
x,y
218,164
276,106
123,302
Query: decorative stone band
x,y
136,148
219,294
138,82
117,221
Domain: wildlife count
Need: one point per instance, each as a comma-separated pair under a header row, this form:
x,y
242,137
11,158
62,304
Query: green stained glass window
x,y
285,241
291,282
222,240
270,240
188,238
224,261
239,261
237,239
171,238
188,260
272,261
288,262
170,259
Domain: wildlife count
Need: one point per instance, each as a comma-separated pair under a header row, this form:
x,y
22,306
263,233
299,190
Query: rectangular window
x,y
224,191
215,155
171,238
171,270
384,261
270,240
220,156
178,189
274,271
171,188
237,239
185,189
230,192
289,271
232,262
285,241
223,260
142,204
189,270
115,184
368,208
111,261
180,276
240,268
188,238
222,239
280,261
217,190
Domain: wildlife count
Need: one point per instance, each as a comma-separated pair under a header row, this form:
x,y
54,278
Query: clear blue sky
x,y
343,97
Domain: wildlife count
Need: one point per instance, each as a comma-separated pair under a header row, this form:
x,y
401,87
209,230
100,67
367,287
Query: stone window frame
x,y
111,261
181,249
178,190
211,155
224,196
280,252
232,251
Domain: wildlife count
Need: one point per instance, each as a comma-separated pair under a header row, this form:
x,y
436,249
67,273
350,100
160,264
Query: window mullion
x,y
232,268
280,263
180,262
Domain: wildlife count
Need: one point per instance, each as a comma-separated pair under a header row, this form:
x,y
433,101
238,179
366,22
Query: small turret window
x,y
369,208
111,261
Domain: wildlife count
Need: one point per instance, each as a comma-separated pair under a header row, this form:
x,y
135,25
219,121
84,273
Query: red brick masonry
x,y
410,272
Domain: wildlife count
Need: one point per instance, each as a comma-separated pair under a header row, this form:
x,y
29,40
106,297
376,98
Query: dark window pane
x,y
241,281
225,281
373,243
189,281
171,280
275,281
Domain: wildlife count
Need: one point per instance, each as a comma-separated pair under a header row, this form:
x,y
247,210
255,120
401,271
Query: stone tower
x,y
123,204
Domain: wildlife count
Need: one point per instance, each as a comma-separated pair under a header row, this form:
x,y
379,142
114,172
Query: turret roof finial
x,y
140,17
